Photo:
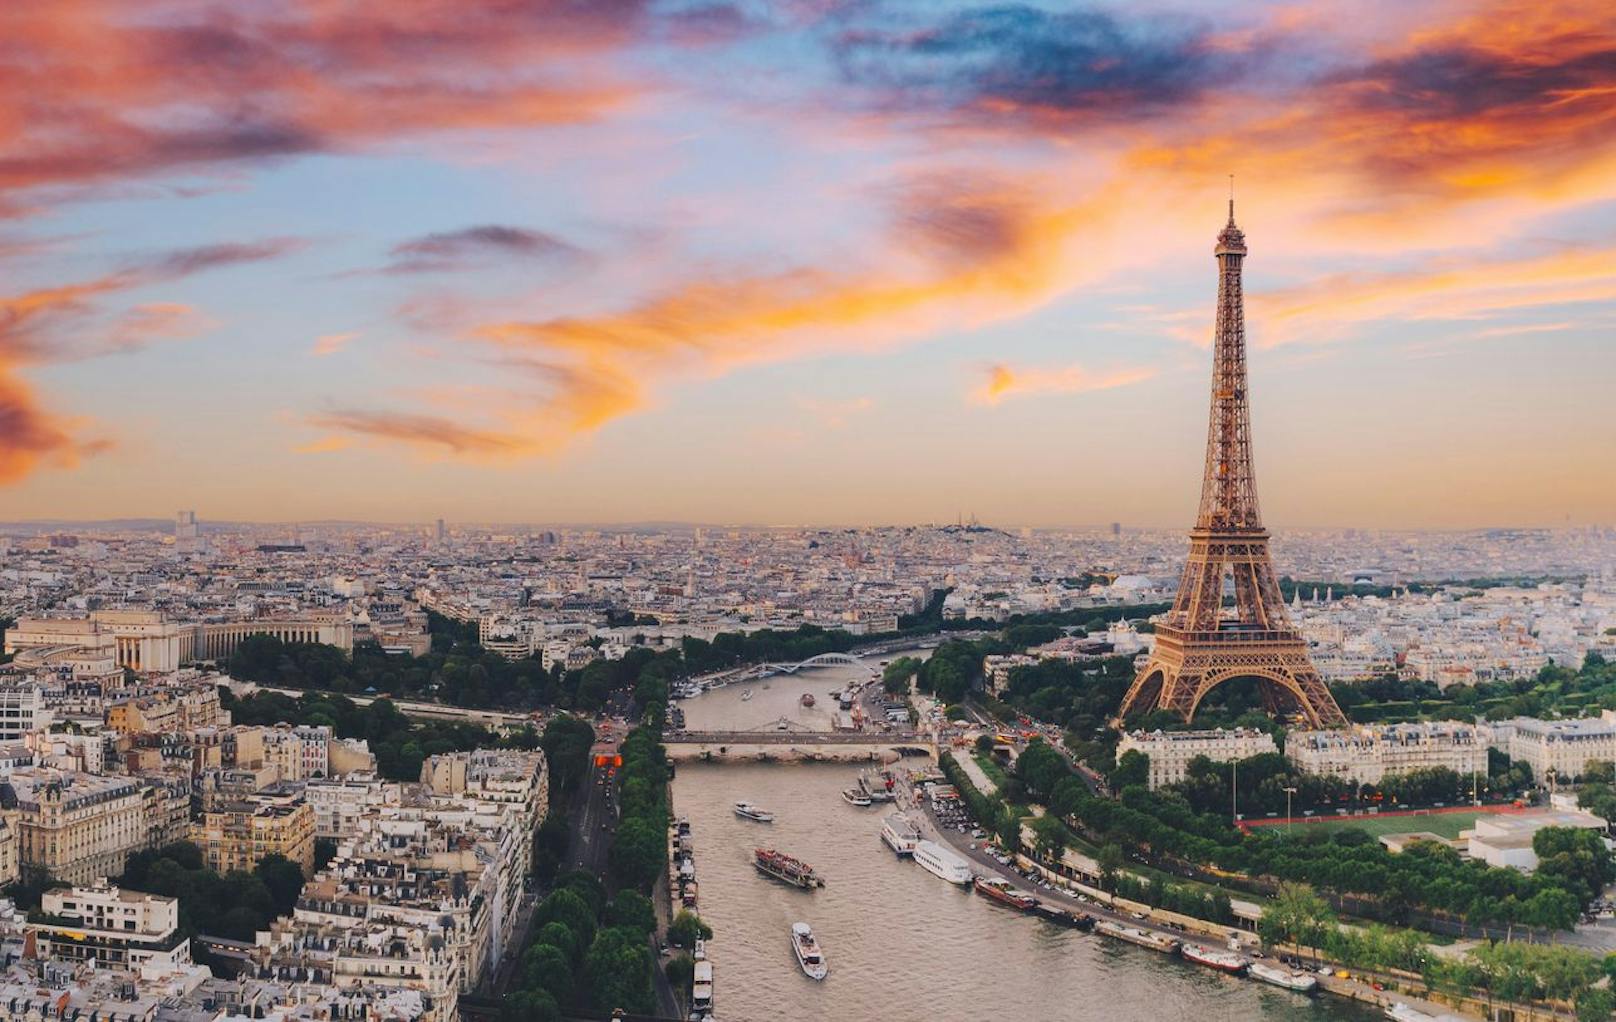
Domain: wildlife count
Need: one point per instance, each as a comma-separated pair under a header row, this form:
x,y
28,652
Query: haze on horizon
x,y
803,263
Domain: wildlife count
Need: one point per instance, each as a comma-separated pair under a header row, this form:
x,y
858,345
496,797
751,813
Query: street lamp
x,y
1289,791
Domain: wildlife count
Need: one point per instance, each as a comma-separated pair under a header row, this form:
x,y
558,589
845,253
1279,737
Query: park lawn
x,y
1447,825
991,767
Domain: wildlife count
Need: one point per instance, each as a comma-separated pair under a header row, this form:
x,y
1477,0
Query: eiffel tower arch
x,y
1201,643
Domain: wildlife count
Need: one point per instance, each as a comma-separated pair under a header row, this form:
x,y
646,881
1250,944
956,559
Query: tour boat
x,y
1215,958
808,953
701,989
783,867
1134,935
807,699
855,797
1001,892
940,862
900,833
1290,979
748,811
747,695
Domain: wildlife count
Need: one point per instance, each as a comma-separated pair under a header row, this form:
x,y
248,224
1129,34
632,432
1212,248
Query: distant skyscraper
x,y
1116,529
1199,645
187,533
443,531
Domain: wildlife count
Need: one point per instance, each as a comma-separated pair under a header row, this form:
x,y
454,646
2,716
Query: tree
x,y
1110,862
558,935
569,909
529,1006
1133,767
681,970
628,908
686,928
1049,838
548,968
638,852
284,878
617,971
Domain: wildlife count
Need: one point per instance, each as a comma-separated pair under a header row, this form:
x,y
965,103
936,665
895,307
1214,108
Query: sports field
x,y
1442,822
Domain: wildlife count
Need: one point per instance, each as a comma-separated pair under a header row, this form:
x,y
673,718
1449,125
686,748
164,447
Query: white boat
x,y
808,953
701,988
747,695
1215,958
1403,1013
1279,976
855,797
900,833
748,811
940,862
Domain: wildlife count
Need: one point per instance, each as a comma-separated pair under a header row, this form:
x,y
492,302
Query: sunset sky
x,y
804,261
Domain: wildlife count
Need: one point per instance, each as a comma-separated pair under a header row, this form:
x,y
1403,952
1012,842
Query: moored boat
x,y
1215,958
942,863
1134,935
809,956
748,811
1279,976
1000,891
900,833
783,867
855,797
1065,917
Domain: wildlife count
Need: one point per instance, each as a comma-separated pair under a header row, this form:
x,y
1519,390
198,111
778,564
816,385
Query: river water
x,y
902,945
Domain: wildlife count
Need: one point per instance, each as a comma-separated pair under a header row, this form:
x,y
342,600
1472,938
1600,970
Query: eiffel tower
x,y
1201,644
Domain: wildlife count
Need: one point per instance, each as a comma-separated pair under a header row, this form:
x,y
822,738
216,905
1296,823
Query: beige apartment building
x,y
79,827
239,833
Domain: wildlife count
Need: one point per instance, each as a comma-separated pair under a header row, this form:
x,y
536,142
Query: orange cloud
x,y
427,433
952,259
1002,381
188,86
1328,308
330,344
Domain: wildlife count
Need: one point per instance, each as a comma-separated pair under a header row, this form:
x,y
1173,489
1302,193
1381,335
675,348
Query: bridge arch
x,y
819,660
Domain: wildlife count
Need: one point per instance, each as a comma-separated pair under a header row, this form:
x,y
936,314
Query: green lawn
x,y
991,767
1446,825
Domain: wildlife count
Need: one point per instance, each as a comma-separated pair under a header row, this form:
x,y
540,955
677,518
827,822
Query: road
x,y
594,819
796,738
412,708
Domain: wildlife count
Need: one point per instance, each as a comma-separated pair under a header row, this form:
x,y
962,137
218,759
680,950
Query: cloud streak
x,y
1002,381
476,246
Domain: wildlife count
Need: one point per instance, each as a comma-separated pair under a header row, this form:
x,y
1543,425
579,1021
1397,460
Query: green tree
x,y
639,851
1049,838
628,908
284,878
1110,863
548,968
617,971
569,909
686,928
1133,767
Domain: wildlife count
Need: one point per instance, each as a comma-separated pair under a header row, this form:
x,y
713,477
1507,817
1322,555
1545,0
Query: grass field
x,y
1446,825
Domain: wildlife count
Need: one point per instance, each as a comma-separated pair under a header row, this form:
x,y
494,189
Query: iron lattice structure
x,y
1201,643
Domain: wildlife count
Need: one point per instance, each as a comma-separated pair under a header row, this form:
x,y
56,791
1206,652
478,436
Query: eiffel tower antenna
x,y
1200,645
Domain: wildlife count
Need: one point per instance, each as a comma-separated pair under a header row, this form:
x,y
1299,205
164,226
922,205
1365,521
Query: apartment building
x,y
78,827
238,833
1558,748
104,924
1170,752
1366,754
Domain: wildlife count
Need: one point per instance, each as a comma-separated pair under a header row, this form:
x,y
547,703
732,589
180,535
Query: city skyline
x,y
813,265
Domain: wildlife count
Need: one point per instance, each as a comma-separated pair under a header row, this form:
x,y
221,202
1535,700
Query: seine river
x,y
902,945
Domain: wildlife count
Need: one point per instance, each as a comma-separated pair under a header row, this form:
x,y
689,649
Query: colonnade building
x,y
147,640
